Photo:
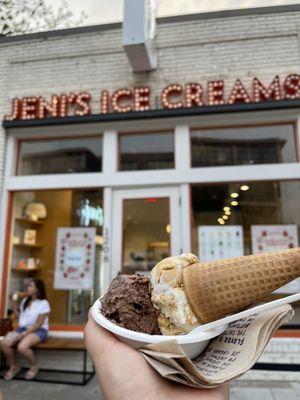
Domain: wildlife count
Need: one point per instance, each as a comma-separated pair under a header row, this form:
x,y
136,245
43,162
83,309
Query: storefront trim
x,y
6,253
252,173
155,114
110,179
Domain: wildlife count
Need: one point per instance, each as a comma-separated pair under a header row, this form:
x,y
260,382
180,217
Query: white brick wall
x,y
226,48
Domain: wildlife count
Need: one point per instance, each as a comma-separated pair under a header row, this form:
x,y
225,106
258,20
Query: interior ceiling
x,y
154,210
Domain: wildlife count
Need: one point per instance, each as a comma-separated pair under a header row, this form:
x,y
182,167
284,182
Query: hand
x,y
11,338
123,373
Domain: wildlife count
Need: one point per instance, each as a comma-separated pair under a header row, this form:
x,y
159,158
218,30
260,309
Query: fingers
x,y
97,339
95,332
222,392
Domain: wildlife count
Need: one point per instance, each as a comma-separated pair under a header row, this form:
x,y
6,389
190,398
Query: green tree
x,y
27,16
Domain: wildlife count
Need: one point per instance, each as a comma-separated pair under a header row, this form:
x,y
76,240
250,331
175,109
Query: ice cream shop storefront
x,y
110,171
89,196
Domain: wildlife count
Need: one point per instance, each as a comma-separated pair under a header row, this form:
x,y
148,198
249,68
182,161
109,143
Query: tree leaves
x,y
27,16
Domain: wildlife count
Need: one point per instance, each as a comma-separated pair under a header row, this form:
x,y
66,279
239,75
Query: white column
x,y
109,168
185,215
107,238
9,171
182,165
110,152
182,149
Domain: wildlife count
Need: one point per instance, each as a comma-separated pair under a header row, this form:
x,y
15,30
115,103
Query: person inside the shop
x,y
33,313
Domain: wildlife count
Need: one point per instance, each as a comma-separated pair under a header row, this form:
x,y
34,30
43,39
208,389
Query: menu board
x,y
75,258
217,242
276,237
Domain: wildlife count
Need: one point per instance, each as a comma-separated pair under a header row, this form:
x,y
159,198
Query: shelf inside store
x,y
25,269
25,245
26,221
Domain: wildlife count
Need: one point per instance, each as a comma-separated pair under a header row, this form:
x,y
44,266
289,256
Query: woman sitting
x,y
33,329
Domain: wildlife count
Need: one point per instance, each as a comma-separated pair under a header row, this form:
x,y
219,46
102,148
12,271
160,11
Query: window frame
x,y
142,132
295,136
47,139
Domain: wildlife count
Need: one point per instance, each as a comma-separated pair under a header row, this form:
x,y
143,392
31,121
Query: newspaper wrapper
x,y
228,356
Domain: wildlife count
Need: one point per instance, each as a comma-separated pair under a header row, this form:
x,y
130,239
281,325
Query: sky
x,y
105,11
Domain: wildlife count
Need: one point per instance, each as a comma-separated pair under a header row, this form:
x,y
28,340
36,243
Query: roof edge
x,y
162,20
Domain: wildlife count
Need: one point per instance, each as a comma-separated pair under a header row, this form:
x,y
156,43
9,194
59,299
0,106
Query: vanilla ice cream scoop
x,y
167,295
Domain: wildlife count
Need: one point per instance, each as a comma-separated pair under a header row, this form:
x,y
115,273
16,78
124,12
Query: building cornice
x,y
288,8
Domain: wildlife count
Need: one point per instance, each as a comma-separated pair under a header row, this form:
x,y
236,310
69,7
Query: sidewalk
x,y
241,390
21,390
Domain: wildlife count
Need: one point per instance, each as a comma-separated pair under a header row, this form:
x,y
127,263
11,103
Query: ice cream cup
x,y
192,344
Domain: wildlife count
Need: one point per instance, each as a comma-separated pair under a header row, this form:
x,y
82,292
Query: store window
x,y
246,205
144,151
57,237
243,145
235,219
146,234
57,156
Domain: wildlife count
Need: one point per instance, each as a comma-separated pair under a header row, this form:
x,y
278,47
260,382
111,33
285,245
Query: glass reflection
x,y
146,233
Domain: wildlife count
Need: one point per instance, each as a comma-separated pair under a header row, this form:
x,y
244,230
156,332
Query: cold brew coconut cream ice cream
x,y
168,296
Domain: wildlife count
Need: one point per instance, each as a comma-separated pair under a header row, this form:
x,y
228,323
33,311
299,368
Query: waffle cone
x,y
218,288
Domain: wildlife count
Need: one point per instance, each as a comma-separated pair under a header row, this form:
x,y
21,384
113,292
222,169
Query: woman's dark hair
x,y
41,294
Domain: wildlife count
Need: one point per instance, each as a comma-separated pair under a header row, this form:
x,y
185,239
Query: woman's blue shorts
x,y
41,333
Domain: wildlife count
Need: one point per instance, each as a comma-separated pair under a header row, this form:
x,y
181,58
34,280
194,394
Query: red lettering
x,y
29,107
141,99
16,109
239,94
193,95
261,93
292,86
82,102
215,93
168,94
120,99
104,102
46,108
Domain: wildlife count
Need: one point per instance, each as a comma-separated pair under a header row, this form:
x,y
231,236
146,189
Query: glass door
x,y
145,228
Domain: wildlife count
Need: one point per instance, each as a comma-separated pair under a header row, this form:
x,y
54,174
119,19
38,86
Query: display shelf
x,y
25,269
25,245
29,222
158,244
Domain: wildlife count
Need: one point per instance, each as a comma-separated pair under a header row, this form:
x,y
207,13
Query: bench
x,y
290,330
64,344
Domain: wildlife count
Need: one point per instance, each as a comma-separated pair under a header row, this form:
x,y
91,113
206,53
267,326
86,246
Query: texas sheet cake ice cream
x,y
186,293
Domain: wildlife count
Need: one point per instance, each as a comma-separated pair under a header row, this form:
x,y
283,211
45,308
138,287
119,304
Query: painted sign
x,y
276,237
75,258
217,242
138,99
273,237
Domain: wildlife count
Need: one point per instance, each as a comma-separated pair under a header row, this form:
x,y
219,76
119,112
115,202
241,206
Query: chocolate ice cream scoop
x,y
127,303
